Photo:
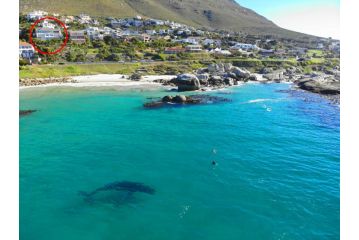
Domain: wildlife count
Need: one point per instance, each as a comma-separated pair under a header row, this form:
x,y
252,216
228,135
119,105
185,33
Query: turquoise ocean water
x,y
277,175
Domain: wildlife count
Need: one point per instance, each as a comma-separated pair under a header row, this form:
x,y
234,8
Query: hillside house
x,y
244,47
335,46
48,24
94,33
298,51
220,52
115,23
84,19
48,33
145,37
209,42
151,32
194,48
68,19
174,50
157,22
162,31
106,31
199,32
26,50
77,36
266,52
133,22
35,15
130,32
192,41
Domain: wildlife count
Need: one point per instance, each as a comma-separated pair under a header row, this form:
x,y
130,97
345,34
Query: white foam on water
x,y
184,211
260,100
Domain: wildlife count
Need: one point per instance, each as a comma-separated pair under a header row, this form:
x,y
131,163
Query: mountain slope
x,y
214,14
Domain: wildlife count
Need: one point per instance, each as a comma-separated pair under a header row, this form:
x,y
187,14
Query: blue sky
x,y
318,17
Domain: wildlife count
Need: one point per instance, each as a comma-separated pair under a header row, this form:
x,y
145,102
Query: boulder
x,y
203,78
186,82
228,67
183,100
229,81
266,70
202,70
241,73
276,76
167,99
231,75
328,87
216,68
179,99
215,81
253,77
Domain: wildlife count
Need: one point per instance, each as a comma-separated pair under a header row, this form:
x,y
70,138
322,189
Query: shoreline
x,y
98,80
147,82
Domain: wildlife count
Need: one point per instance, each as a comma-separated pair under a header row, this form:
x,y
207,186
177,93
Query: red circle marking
x,y
62,45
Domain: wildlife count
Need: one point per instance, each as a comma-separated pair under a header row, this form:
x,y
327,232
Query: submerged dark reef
x,y
185,100
116,193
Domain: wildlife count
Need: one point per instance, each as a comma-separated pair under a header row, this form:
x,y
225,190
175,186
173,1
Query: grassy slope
x,y
46,71
92,7
225,14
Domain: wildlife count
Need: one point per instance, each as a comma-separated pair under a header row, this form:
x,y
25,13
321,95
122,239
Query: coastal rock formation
x,y
216,75
324,86
186,82
220,75
185,100
276,76
266,70
203,78
240,73
216,68
26,112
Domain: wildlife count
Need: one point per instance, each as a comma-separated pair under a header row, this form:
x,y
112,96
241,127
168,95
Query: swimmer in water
x,y
214,163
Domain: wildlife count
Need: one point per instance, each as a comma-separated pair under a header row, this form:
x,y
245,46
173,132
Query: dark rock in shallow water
x,y
26,112
154,104
308,96
167,99
179,99
185,100
116,192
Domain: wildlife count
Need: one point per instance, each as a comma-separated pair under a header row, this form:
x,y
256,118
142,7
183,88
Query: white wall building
x,y
244,46
48,24
26,50
48,33
194,48
35,15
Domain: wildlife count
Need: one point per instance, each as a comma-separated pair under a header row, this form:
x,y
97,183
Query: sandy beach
x,y
105,80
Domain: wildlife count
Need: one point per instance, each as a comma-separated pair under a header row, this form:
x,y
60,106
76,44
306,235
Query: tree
x,y
70,56
113,57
